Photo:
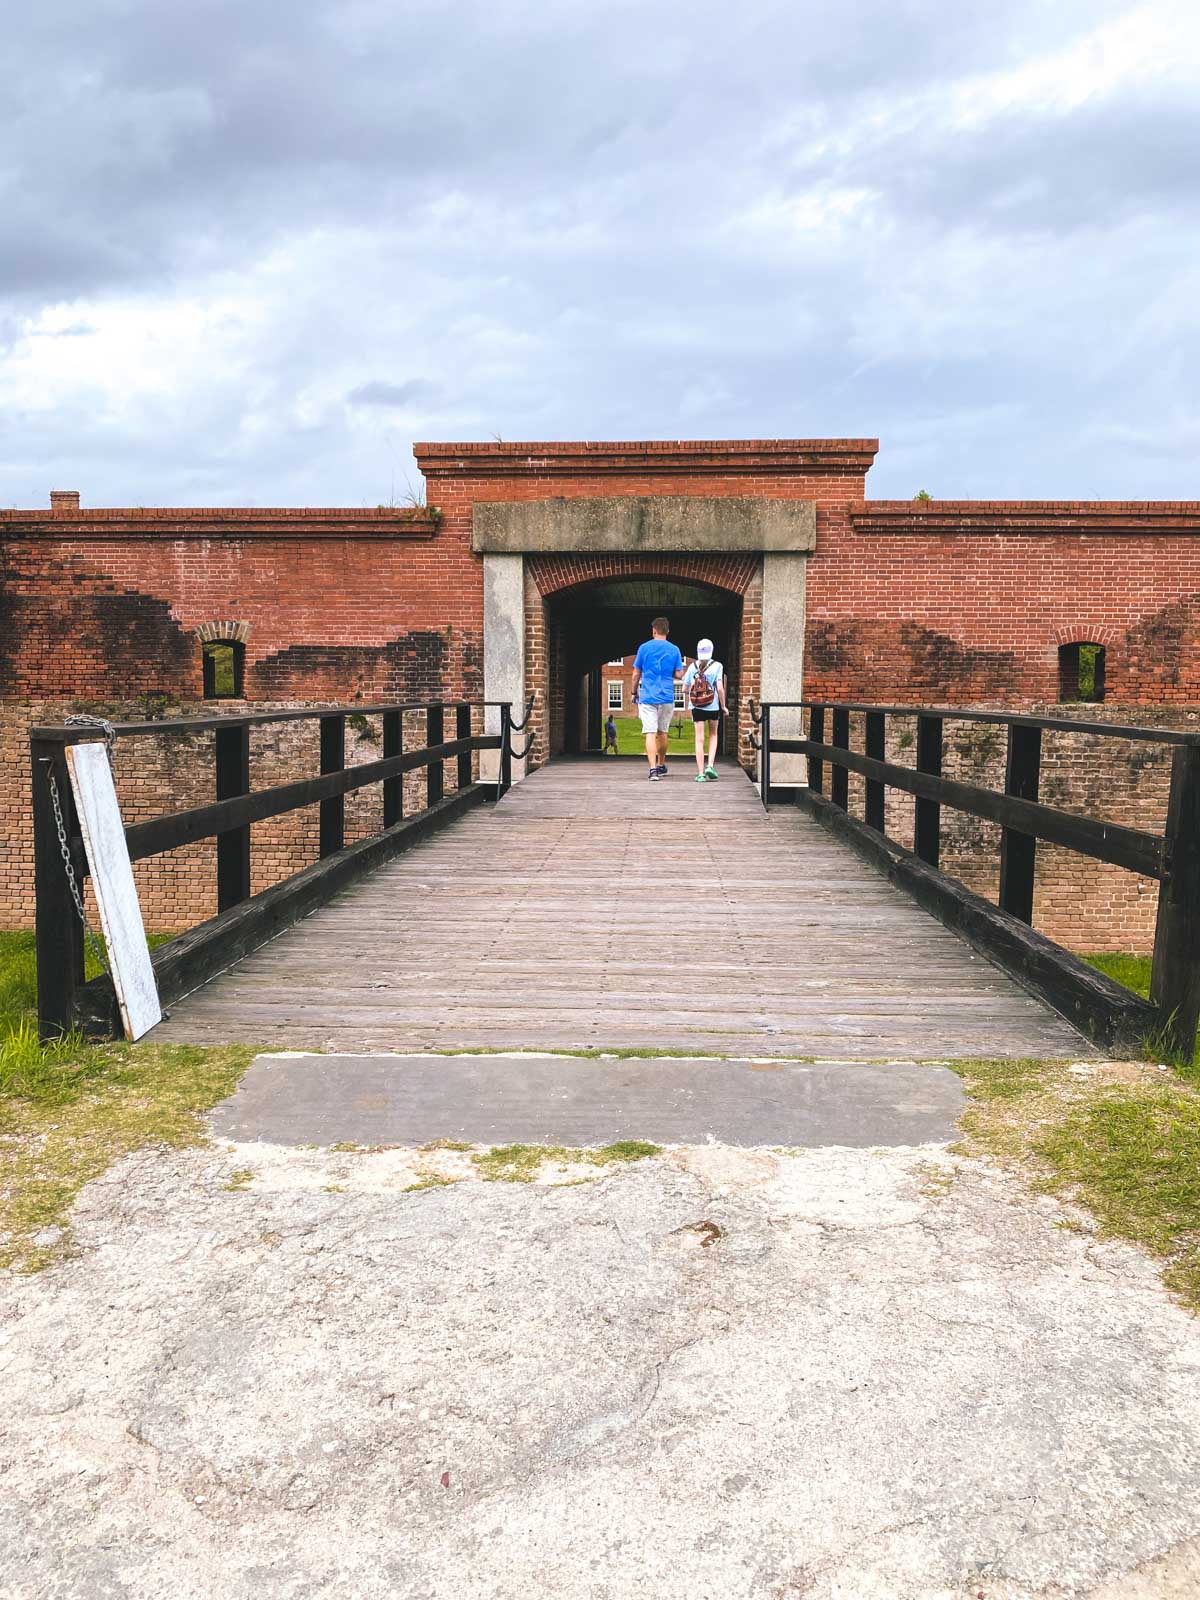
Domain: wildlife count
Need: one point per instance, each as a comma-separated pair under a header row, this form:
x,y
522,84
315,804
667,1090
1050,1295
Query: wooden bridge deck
x,y
592,909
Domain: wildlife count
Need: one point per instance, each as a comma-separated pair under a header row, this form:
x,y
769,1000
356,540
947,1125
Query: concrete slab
x,y
274,1374
405,1100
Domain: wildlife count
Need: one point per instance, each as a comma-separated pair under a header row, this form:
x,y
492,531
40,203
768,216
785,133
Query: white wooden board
x,y
116,894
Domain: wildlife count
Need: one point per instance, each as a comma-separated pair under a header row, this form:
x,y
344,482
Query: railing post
x,y
59,935
393,788
839,777
505,782
333,759
764,756
928,825
1018,851
875,747
232,758
1175,977
816,732
435,732
463,731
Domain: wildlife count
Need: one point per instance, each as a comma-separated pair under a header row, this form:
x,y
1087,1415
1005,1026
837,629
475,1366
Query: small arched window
x,y
1081,672
224,668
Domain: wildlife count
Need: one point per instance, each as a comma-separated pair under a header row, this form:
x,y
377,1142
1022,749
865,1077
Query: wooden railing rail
x,y
243,919
1172,858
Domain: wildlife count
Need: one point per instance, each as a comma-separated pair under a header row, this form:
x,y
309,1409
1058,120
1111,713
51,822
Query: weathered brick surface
x,y
939,602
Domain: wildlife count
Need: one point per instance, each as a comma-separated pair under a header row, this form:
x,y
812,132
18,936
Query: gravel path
x,y
720,1373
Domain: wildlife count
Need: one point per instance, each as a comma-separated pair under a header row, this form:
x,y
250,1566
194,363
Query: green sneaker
x,y
702,777
711,773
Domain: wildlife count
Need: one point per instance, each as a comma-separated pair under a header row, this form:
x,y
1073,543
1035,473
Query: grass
x,y
631,741
1134,973
521,1163
68,1110
1121,1140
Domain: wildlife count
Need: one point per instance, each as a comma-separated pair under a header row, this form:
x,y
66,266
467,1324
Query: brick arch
x,y
1082,634
555,573
547,576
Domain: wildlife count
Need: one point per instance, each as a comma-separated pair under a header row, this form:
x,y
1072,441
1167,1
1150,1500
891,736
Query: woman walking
x,y
704,690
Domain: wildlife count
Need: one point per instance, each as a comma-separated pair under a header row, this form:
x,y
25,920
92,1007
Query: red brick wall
x,y
828,472
965,602
941,602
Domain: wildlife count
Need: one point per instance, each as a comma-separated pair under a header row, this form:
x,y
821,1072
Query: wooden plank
x,y
435,772
1105,841
875,745
927,819
816,953
201,822
1018,851
116,894
232,752
1107,730
60,733
1175,973
1105,1010
839,786
332,824
393,788
59,932
183,964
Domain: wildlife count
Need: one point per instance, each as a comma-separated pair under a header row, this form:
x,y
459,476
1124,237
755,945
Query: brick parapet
x,y
653,457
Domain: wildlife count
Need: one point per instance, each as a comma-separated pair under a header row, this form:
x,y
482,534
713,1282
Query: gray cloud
x,y
376,393
585,221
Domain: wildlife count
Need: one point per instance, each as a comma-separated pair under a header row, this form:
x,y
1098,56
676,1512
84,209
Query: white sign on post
x,y
116,894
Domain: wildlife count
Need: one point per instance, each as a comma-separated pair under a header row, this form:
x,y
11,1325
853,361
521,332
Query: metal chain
x,y
95,945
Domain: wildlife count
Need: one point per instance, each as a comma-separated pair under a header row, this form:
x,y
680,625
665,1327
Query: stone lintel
x,y
695,524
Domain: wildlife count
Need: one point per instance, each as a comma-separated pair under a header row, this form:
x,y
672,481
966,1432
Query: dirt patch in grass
x,y
1120,1139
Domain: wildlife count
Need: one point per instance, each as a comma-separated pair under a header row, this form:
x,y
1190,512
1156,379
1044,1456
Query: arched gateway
x,y
581,543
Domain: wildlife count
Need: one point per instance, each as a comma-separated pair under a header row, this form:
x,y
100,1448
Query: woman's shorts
x,y
656,719
706,715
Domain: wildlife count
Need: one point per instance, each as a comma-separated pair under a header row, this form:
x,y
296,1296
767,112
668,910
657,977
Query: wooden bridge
x,y
585,908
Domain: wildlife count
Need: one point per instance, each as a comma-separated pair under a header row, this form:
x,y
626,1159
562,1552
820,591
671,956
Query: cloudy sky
x,y
250,251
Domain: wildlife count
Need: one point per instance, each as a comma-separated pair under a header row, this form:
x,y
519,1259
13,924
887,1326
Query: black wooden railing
x,y
243,920
1172,858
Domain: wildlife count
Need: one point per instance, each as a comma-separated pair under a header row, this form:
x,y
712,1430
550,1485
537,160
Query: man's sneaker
x,y
711,772
662,771
655,775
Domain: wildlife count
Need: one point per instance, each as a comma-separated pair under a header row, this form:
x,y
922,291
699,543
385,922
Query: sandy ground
x,y
836,1374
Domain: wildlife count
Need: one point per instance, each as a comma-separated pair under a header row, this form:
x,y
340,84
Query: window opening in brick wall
x,y
616,695
1081,672
679,696
224,669
617,661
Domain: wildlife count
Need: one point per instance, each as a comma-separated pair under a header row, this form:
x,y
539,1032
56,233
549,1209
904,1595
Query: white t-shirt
x,y
714,672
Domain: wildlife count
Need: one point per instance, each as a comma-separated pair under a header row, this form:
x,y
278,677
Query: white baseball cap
x,y
704,650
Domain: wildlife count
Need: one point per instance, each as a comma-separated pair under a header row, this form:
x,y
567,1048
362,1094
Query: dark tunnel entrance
x,y
600,622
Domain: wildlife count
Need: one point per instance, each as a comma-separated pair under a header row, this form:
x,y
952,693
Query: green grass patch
x,y
521,1163
1121,1140
1134,972
69,1109
631,741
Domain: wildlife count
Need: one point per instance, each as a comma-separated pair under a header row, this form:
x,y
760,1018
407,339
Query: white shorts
x,y
656,719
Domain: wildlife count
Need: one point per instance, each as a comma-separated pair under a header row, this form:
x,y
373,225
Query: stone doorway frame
x,y
781,533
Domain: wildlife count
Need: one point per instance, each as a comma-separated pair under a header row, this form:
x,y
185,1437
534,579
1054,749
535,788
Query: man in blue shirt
x,y
655,668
